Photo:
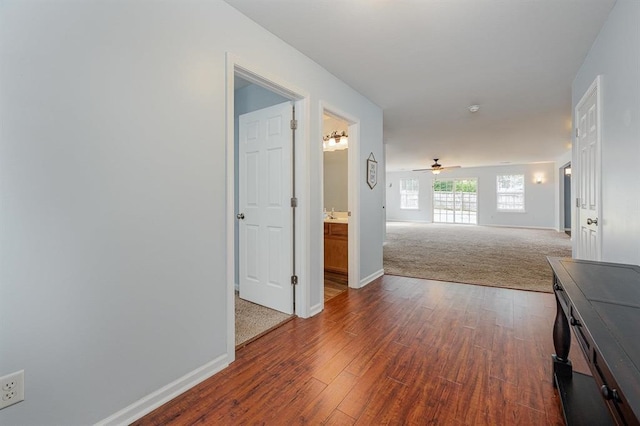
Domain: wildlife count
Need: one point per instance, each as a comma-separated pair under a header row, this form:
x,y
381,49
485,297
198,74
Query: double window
x,y
510,193
409,190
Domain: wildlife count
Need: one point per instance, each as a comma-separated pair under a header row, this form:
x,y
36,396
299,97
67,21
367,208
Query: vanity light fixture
x,y
335,141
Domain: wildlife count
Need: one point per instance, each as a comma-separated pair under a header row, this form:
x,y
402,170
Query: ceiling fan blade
x,y
436,166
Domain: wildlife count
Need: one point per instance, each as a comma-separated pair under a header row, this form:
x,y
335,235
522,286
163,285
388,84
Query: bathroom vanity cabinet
x,y
336,247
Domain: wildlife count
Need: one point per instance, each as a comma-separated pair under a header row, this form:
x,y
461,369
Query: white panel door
x,y
588,148
265,214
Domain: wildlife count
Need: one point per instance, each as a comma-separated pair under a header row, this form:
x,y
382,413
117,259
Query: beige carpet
x,y
252,320
498,257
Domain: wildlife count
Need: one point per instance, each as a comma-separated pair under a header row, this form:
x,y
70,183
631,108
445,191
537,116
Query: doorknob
x,y
241,216
592,221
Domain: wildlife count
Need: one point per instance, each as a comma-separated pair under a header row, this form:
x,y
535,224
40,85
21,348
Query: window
x,y
455,201
510,193
409,189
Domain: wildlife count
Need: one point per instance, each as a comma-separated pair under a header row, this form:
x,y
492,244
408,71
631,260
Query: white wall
x,y
540,199
336,180
616,56
113,208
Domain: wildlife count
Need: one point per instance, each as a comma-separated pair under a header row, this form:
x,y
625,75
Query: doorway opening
x,y
336,213
455,201
565,190
262,147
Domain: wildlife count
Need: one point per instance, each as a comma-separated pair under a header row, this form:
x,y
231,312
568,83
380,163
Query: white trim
x,y
354,172
549,228
369,279
165,394
317,308
304,250
230,225
268,80
264,79
411,221
562,191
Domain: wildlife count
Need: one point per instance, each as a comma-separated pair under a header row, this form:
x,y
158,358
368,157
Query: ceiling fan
x,y
436,167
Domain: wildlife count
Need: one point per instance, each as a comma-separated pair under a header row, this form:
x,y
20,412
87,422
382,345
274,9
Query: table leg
x,y
561,343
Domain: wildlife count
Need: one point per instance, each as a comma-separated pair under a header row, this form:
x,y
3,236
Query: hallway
x,y
399,351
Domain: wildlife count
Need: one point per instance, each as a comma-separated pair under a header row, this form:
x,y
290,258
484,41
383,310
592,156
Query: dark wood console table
x,y
600,302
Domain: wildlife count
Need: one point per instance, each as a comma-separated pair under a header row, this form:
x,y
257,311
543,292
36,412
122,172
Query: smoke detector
x,y
474,108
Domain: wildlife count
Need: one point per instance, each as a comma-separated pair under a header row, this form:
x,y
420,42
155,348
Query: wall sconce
x,y
538,179
567,171
335,141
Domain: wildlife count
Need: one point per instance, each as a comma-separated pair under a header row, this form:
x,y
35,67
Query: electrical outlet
x,y
11,388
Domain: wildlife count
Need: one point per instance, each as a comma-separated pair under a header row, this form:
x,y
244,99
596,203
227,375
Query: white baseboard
x,y
315,309
408,221
165,394
547,228
370,278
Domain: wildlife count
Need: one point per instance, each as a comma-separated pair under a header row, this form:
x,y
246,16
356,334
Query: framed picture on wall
x,y
372,171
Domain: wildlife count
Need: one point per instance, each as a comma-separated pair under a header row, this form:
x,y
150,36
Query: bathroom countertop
x,y
337,220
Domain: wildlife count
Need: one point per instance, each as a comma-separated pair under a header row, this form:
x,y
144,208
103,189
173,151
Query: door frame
x,y
576,169
254,74
562,191
353,192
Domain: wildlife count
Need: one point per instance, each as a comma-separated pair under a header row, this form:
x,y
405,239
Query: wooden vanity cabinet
x,y
336,247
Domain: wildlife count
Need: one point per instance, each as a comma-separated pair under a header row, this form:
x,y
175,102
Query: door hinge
x,y
294,124
294,202
577,202
294,280
577,132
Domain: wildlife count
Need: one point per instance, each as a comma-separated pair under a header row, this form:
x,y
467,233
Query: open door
x,y
588,206
265,213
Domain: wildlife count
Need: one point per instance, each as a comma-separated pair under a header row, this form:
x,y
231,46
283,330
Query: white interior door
x,y
265,213
589,197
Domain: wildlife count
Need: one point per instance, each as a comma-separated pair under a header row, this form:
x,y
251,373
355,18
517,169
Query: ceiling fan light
x,y
435,172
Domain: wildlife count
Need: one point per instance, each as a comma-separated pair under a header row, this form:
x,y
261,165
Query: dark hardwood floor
x,y
399,351
334,284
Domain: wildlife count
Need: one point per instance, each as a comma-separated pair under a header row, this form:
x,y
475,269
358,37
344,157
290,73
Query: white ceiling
x,y
425,61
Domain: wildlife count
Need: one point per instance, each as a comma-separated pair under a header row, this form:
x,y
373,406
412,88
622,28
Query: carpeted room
x,y
494,256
